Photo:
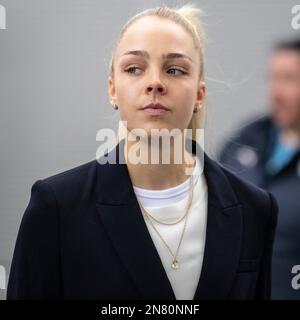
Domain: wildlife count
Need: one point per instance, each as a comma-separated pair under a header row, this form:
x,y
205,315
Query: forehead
x,y
285,59
157,35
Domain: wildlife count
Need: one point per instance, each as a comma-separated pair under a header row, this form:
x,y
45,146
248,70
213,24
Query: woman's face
x,y
156,62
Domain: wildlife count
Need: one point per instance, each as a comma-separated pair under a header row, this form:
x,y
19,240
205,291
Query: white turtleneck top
x,y
168,205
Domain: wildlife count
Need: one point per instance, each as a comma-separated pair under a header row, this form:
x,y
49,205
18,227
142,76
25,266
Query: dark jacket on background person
x,y
246,154
83,236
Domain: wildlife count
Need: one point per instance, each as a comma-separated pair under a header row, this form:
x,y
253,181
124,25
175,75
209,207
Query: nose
x,y
156,86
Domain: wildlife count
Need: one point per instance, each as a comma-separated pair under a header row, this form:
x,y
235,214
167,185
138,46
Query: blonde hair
x,y
187,16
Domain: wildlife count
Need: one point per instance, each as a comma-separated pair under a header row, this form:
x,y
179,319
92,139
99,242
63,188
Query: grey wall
x,y
53,83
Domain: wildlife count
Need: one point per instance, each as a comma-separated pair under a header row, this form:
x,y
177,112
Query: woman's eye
x,y
132,70
175,69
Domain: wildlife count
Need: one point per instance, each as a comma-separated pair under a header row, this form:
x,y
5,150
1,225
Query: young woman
x,y
144,230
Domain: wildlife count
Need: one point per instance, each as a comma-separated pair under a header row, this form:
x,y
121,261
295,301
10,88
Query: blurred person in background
x,y
266,152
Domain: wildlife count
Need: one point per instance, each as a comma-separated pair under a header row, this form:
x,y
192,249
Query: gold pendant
x,y
175,265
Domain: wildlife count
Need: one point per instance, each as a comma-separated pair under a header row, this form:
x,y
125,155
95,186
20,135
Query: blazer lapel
x,y
122,219
223,236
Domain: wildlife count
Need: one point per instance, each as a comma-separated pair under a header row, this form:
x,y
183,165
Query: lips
x,y
155,106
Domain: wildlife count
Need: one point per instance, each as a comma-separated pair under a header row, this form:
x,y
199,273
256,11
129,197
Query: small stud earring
x,y
115,107
197,109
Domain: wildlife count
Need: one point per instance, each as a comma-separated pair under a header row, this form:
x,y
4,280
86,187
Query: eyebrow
x,y
145,54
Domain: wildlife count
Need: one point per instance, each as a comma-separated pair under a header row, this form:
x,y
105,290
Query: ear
x,y
111,90
201,92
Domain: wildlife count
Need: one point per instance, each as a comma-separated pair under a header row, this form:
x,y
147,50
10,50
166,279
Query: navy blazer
x,y
83,236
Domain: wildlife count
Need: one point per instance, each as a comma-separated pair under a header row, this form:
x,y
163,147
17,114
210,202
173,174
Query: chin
x,y
282,122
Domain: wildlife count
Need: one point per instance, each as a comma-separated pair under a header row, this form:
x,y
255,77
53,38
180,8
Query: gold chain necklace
x,y
175,264
186,210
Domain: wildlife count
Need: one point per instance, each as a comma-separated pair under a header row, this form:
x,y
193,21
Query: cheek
x,y
185,97
126,95
292,96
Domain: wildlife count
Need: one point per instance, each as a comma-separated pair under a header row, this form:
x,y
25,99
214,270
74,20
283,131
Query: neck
x,y
158,175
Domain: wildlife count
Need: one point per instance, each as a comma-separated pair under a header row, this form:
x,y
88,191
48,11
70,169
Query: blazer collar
x,y
123,221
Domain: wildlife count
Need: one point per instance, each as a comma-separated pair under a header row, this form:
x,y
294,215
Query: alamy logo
x,y
2,18
296,18
144,146
296,278
2,278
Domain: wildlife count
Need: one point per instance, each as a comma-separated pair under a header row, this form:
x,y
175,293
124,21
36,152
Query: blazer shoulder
x,y
69,186
72,174
254,125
